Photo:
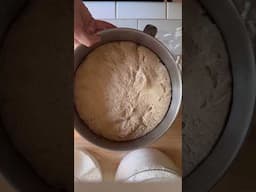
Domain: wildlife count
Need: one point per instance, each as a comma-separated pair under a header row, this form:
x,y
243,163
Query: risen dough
x,y
122,90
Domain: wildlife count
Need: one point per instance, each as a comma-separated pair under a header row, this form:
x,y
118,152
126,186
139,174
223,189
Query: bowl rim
x,y
242,61
129,144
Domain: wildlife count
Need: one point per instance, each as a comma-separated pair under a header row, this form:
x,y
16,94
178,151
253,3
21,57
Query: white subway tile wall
x,y
134,10
140,10
174,10
102,9
166,16
130,23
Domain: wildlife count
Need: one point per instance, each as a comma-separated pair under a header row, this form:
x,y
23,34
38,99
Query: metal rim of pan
x,y
241,55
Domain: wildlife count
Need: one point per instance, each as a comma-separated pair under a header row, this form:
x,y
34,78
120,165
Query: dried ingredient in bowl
x,y
207,86
122,90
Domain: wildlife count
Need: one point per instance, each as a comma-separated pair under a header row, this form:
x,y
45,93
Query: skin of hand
x,y
86,27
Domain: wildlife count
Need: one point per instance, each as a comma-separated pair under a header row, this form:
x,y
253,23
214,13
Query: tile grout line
x,y
142,19
115,10
166,9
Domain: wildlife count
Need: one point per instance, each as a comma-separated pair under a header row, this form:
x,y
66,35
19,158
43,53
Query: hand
x,y
86,27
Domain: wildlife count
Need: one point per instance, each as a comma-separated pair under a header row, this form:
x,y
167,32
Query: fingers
x,y
102,25
87,35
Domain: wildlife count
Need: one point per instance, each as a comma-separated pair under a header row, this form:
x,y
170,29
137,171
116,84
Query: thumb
x,y
102,25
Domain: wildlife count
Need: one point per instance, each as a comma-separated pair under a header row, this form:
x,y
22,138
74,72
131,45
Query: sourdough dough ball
x,y
122,90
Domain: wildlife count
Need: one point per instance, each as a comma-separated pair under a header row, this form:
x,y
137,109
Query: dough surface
x,y
207,86
122,90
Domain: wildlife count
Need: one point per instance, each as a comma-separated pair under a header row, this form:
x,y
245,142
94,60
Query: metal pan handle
x,y
150,30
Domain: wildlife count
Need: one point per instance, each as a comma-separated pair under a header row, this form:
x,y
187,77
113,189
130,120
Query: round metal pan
x,y
239,47
147,40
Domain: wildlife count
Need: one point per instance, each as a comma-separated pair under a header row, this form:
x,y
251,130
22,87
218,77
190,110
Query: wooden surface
x,y
170,144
